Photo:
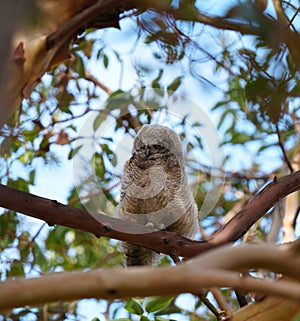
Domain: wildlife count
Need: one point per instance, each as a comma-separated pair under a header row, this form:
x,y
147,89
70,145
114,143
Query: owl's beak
x,y
148,151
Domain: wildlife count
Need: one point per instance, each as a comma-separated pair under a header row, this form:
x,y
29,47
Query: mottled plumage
x,y
155,190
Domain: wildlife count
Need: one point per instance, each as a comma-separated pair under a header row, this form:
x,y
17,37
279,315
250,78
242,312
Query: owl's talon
x,y
150,224
162,226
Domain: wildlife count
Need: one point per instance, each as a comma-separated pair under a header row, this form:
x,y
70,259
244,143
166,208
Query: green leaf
x,y
31,134
73,194
157,303
8,228
224,116
19,183
79,66
40,258
24,245
15,144
31,177
56,238
144,318
106,149
110,154
64,102
17,269
175,84
113,159
27,157
116,93
44,146
105,61
168,310
98,165
118,100
220,104
98,120
134,307
236,91
264,147
240,138
161,319
77,47
73,152
108,139
156,83
256,88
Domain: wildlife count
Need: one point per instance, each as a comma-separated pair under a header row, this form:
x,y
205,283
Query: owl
x,y
155,190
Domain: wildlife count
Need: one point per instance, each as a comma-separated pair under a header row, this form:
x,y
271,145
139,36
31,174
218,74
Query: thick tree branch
x,y
161,241
203,272
102,14
270,309
39,48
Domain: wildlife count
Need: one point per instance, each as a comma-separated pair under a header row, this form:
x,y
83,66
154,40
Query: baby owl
x,y
155,190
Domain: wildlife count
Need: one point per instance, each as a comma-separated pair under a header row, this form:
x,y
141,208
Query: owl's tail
x,y
136,255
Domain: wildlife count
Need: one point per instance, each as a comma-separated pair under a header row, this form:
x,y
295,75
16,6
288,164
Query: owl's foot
x,y
160,226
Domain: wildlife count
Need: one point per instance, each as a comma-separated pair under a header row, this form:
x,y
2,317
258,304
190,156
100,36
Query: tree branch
x,y
266,27
101,15
222,23
138,281
270,309
96,82
281,146
161,241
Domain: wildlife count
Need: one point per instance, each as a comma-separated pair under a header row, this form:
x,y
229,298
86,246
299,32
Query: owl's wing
x,y
126,179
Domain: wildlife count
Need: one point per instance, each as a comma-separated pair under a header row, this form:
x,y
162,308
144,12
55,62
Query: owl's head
x,y
157,139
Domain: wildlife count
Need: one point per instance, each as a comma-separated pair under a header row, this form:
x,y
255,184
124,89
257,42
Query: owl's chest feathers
x,y
152,188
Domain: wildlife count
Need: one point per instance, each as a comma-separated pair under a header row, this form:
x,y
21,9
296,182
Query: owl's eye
x,y
141,147
158,147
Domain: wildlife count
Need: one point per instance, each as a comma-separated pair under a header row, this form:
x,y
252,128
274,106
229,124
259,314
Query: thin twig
x,y
219,297
38,232
93,79
280,143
